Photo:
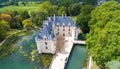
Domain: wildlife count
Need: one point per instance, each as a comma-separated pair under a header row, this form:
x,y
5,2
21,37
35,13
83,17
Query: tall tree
x,y
84,17
48,8
103,41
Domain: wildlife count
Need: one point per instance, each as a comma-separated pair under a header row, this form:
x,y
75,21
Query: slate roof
x,y
47,29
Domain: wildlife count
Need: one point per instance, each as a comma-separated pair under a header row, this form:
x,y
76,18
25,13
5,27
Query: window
x,y
46,47
63,29
63,34
69,29
58,29
69,26
45,38
45,43
58,33
69,33
63,26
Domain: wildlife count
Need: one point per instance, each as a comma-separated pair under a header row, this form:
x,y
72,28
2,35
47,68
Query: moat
x,y
22,60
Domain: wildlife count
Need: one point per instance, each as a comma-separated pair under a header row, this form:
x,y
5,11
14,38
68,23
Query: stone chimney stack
x,y
65,15
54,17
62,15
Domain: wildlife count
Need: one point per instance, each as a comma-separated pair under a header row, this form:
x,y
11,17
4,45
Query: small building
x,y
54,29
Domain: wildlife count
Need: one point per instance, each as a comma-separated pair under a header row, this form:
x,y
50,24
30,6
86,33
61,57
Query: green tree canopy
x,y
48,8
103,40
91,2
38,17
27,23
4,27
84,17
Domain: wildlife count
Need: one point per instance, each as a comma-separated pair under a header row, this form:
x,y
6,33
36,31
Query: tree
x,y
38,17
48,8
103,40
91,2
84,17
4,27
6,17
27,23
62,10
74,9
24,15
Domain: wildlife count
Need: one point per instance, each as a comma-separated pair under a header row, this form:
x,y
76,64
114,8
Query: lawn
x,y
30,7
74,18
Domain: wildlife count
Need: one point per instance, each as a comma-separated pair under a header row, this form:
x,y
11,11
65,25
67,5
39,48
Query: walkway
x,y
61,57
78,42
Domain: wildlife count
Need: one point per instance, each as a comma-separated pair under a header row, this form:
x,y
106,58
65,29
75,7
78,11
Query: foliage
x,y
91,2
103,41
7,47
48,8
24,15
46,59
74,9
67,3
114,65
4,27
33,53
6,17
27,23
38,17
84,17
62,10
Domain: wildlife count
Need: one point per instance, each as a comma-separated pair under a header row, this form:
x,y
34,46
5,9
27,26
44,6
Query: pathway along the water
x,y
61,57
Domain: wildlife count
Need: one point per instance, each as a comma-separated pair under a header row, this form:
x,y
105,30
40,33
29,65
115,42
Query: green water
x,y
17,60
76,58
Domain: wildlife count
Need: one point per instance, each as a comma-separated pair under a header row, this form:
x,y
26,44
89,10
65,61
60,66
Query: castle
x,y
54,32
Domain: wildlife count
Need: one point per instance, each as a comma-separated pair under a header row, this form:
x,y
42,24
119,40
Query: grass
x,y
29,8
74,18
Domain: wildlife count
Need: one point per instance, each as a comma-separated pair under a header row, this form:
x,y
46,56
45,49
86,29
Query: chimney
x,y
54,17
62,15
49,18
65,15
